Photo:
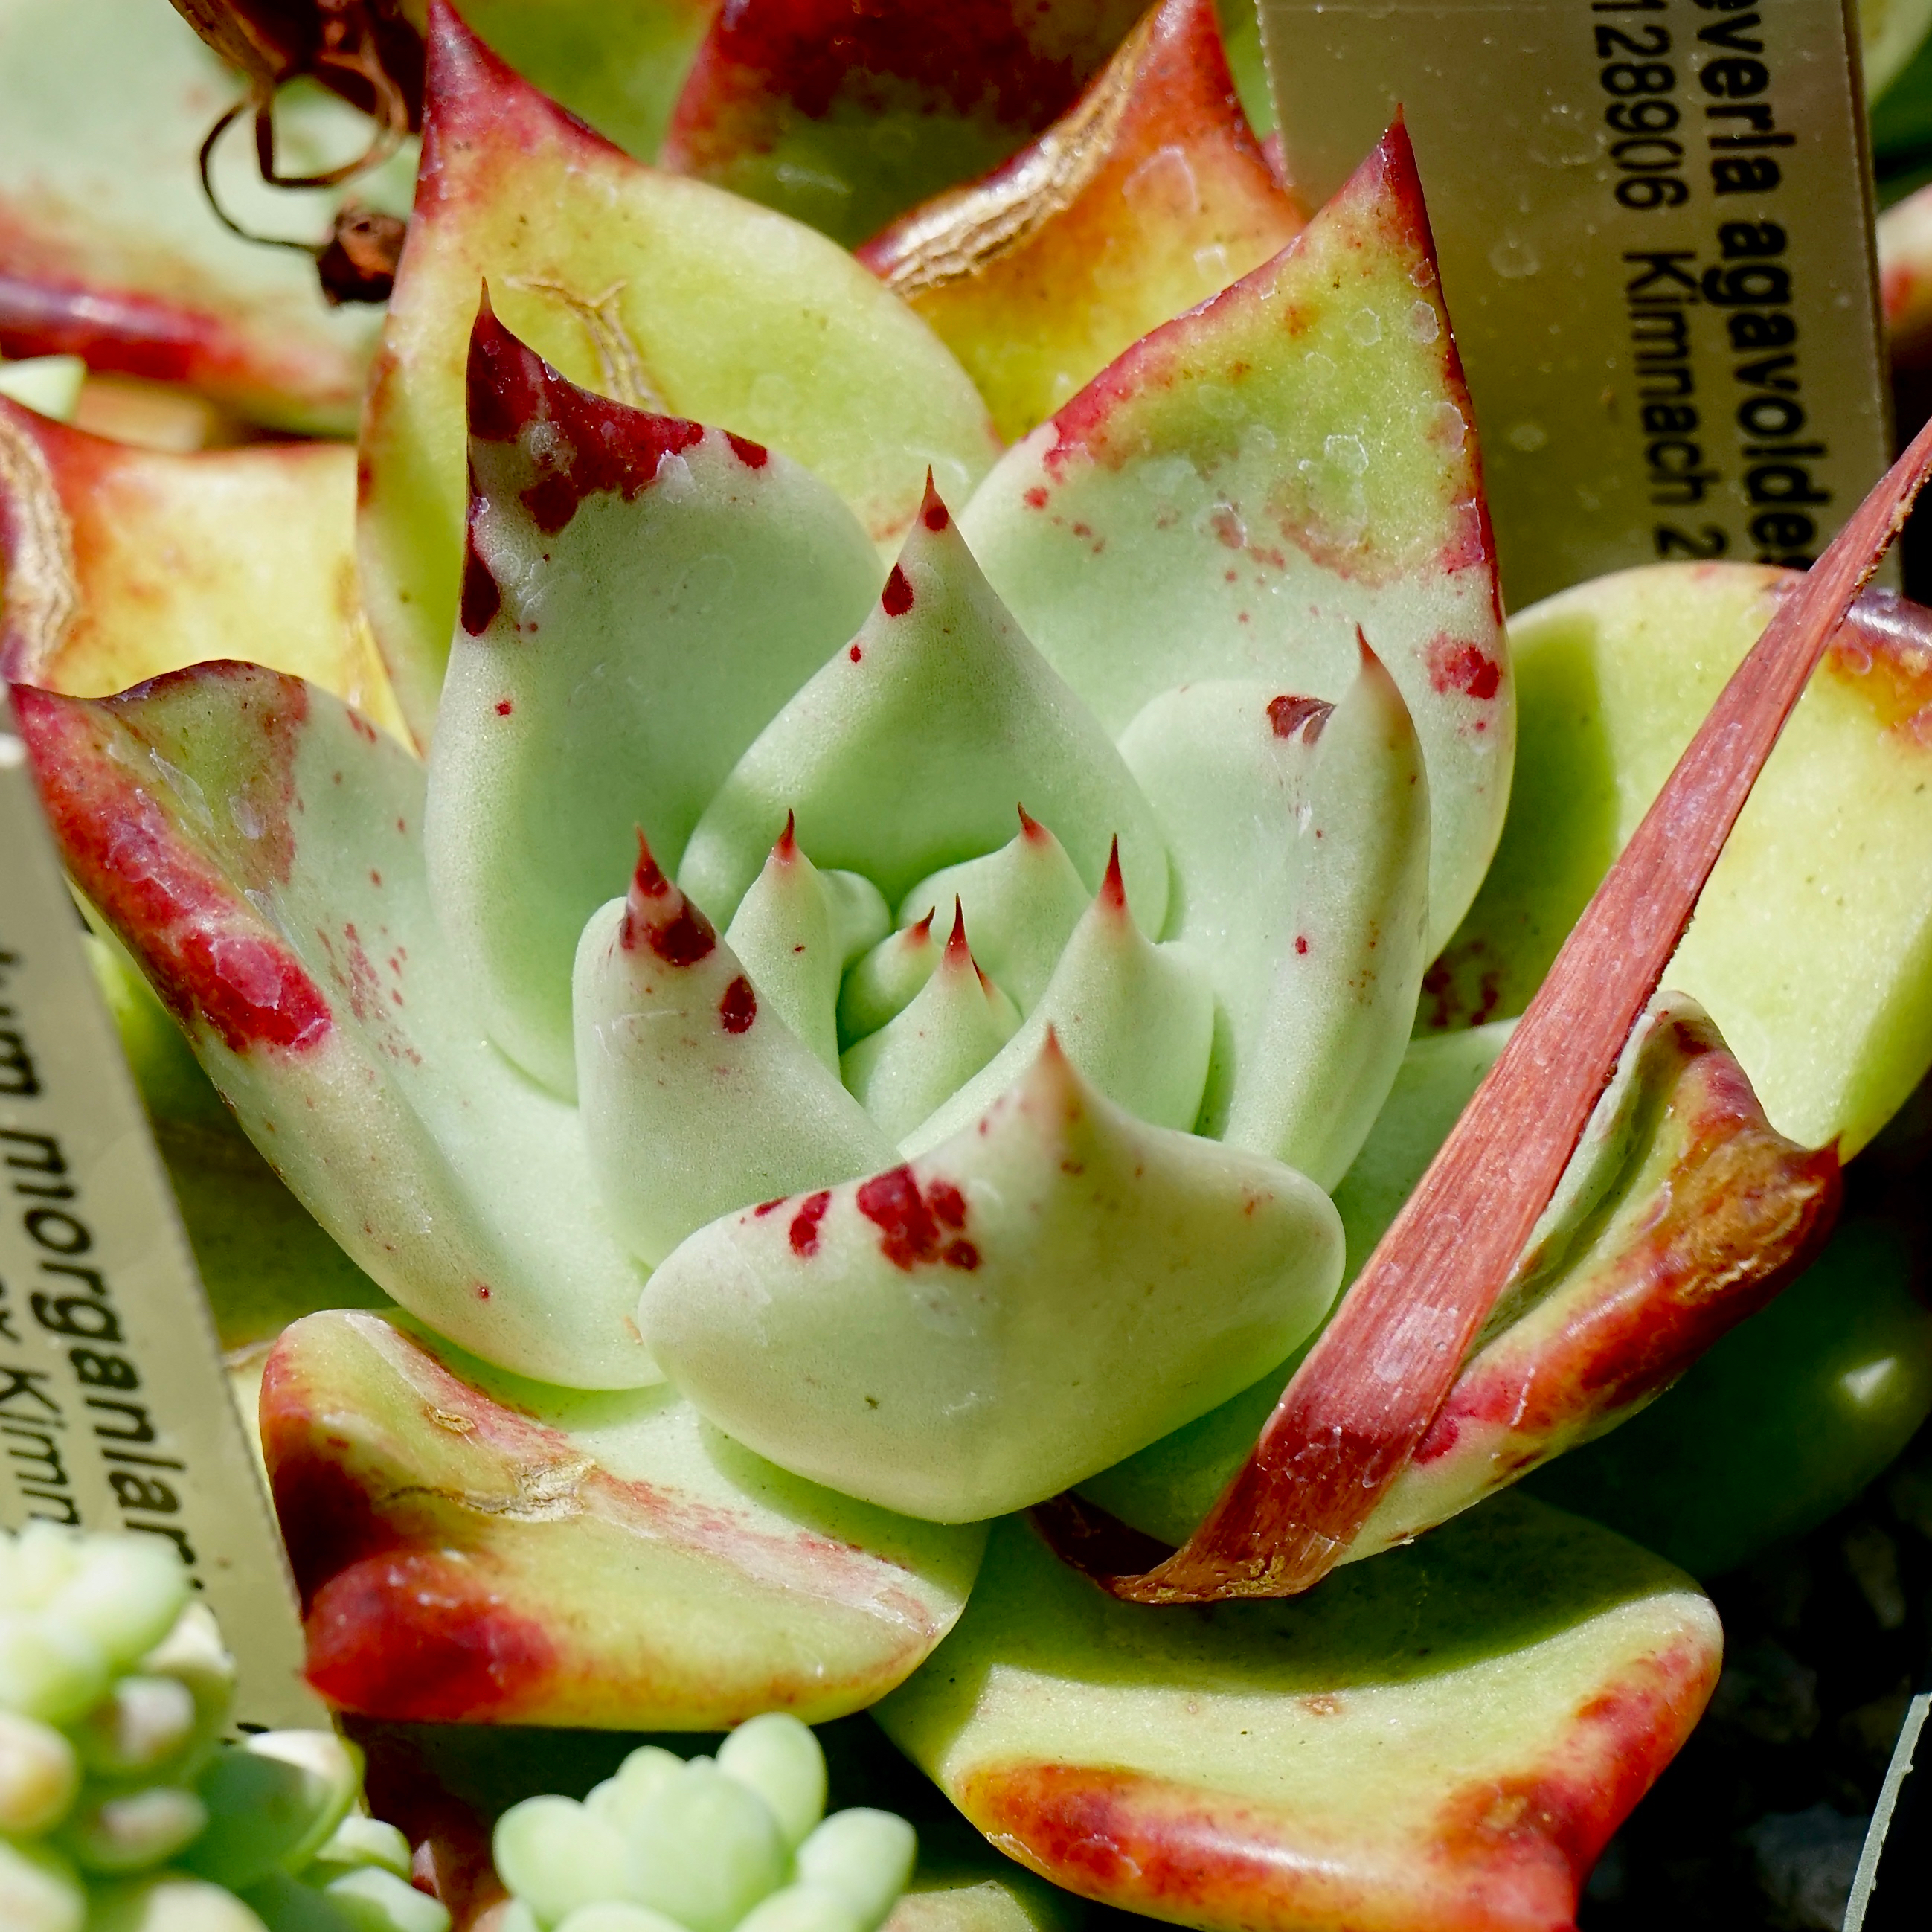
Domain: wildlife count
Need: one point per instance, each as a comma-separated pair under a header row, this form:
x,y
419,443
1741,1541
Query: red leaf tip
x,y
958,952
1031,829
1113,894
786,850
657,915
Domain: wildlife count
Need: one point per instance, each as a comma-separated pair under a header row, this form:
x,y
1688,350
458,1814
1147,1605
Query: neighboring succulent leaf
x,y
1780,1426
1812,947
784,933
258,849
660,292
639,595
1249,484
909,749
617,63
1300,839
1905,278
111,252
1136,1018
969,1334
120,564
955,1023
1146,197
1022,903
1442,1742
1680,1213
475,1548
844,117
694,1100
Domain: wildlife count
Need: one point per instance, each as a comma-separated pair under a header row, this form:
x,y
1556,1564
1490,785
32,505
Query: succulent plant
x,y
832,969
121,1807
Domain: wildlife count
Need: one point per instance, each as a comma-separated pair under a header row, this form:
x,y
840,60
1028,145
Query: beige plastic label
x,y
115,1412
1654,218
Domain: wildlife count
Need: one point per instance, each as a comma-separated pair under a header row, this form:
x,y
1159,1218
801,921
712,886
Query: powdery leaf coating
x,y
1149,195
970,1332
940,683
258,849
639,595
475,1548
1247,486
122,563
695,1099
1441,1742
661,293
843,117
1812,947
1300,837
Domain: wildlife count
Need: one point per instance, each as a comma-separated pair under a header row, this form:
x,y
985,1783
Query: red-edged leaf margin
x,y
1350,1420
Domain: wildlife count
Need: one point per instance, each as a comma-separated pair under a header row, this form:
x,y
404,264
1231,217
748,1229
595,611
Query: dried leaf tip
x,y
1288,714
786,850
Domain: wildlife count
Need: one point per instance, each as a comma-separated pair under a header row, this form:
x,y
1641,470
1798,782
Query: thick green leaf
x,y
1440,1741
1247,486
696,1098
258,849
639,596
909,750
1680,1213
661,293
475,1548
1055,1285
1301,842
1812,945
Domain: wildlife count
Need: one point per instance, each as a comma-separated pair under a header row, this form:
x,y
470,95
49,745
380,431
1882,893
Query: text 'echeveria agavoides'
x,y
835,980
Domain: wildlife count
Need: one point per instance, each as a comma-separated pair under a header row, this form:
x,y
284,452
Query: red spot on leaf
x,y
752,455
1457,664
935,516
1289,715
1035,498
855,654
580,444
962,1255
482,596
804,1233
908,1222
1300,943
739,1006
504,707
896,600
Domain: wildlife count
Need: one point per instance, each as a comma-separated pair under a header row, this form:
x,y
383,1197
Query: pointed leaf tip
x,y
1030,827
657,915
786,848
1113,893
957,952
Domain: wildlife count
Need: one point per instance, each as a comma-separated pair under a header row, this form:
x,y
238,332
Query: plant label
x,y
115,1410
1654,223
